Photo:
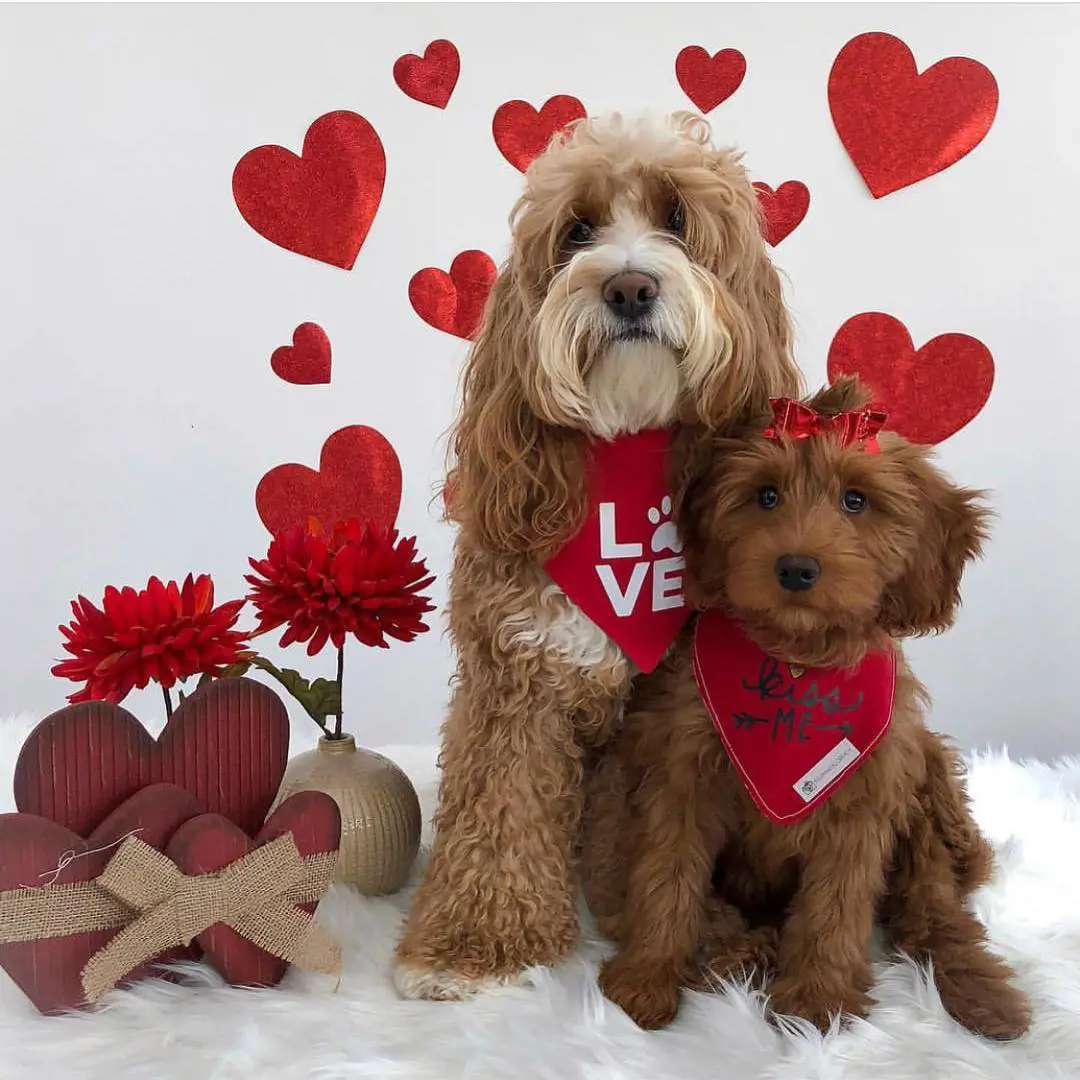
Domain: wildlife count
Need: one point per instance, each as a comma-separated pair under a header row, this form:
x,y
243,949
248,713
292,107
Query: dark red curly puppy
x,y
783,741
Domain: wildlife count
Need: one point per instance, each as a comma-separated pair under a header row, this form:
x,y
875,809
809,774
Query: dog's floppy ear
x,y
952,532
516,485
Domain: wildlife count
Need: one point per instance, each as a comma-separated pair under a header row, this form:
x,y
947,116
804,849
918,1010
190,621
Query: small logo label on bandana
x,y
624,567
793,733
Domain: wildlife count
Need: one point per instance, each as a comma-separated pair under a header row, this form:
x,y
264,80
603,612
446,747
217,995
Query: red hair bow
x,y
794,420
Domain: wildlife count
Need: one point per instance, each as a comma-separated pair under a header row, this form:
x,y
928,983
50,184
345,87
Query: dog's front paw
x,y
416,981
817,1004
648,993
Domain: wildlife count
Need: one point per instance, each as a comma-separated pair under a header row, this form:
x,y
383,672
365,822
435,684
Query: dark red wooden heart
x,y
209,843
454,302
322,203
898,126
430,78
227,745
359,475
306,362
49,971
929,393
522,134
709,80
782,209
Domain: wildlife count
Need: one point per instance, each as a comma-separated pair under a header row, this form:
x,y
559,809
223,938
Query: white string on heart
x,y
69,856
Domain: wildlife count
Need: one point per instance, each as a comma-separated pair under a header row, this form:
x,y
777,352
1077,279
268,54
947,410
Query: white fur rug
x,y
559,1027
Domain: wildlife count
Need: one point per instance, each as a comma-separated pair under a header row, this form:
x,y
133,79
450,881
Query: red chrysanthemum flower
x,y
162,633
360,581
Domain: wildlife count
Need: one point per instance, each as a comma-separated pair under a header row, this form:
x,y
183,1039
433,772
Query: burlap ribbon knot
x,y
161,908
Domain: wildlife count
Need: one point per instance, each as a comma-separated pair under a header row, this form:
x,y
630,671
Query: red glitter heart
x,y
209,843
929,393
322,203
709,80
898,126
522,134
49,970
454,302
307,361
430,78
359,475
782,209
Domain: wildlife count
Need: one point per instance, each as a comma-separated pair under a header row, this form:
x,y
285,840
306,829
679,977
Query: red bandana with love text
x,y
624,567
794,734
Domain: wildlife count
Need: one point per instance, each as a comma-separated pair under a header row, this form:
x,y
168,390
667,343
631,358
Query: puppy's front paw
x,y
647,993
984,1001
416,982
816,1003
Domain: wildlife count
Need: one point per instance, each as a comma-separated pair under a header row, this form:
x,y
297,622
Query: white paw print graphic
x,y
666,537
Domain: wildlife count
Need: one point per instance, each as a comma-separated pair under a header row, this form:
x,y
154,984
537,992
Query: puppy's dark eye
x,y
581,232
676,219
853,502
768,498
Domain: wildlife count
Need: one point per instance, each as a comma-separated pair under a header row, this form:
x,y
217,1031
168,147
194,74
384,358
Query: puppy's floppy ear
x,y
953,529
516,485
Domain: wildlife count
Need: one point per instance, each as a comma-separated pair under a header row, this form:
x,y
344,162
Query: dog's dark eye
x,y
676,219
853,502
768,498
581,232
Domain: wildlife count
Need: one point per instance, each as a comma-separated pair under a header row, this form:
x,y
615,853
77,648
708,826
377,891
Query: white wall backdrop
x,y
139,411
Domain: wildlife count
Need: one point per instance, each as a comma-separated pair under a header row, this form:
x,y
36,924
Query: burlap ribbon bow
x,y
161,908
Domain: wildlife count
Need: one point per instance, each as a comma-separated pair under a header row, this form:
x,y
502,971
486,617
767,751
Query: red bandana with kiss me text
x,y
794,734
623,568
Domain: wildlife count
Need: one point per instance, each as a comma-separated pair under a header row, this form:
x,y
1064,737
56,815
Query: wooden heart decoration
x,y
209,842
48,970
430,78
782,209
929,393
359,475
709,80
322,203
227,745
522,134
306,362
898,126
454,302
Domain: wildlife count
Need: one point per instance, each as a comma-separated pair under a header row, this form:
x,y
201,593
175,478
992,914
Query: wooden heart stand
x,y
129,852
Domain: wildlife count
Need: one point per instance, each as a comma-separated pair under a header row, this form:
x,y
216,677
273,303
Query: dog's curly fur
x,y
538,687
667,808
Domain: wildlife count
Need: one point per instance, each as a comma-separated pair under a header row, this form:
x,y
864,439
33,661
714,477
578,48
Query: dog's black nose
x,y
631,294
797,573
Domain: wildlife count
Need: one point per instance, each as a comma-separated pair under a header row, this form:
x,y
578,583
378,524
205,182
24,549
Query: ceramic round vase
x,y
380,812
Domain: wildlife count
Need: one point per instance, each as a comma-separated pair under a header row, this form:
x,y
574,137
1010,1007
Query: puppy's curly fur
x,y
896,839
538,687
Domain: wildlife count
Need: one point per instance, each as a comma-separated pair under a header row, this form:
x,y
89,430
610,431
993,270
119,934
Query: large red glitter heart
x,y
522,134
209,843
39,853
454,302
783,209
227,745
430,78
306,362
709,80
359,475
322,203
899,126
929,393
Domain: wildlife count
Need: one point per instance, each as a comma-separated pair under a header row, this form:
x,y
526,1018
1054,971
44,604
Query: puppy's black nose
x,y
631,294
797,573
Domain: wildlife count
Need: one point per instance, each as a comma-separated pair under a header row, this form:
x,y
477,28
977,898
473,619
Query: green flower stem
x,y
168,702
340,688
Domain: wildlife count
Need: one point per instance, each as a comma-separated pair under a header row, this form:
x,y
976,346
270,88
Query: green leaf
x,y
320,699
